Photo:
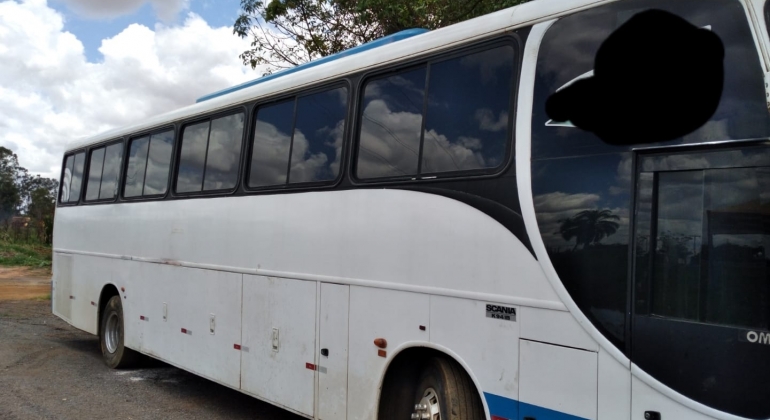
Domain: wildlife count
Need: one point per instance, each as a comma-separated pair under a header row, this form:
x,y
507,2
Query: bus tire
x,y
112,337
438,384
445,389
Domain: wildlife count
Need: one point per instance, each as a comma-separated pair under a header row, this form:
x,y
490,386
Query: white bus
x,y
400,232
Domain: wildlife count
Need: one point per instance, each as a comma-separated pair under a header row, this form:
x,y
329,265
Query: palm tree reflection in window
x,y
589,227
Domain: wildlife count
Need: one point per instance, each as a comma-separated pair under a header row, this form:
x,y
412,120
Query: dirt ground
x,y
50,370
18,283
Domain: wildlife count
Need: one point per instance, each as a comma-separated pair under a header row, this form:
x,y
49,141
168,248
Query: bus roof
x,y
347,63
355,50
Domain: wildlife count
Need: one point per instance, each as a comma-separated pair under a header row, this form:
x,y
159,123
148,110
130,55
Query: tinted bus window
x,y
466,124
137,165
210,155
462,123
158,163
318,135
224,153
391,120
103,171
66,179
582,199
95,174
77,177
72,178
113,158
299,140
195,137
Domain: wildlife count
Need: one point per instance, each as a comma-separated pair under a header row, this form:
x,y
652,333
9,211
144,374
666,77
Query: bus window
x,y
158,163
272,142
149,159
137,165
72,175
299,140
467,124
701,317
582,186
318,136
391,120
210,155
453,126
113,158
95,174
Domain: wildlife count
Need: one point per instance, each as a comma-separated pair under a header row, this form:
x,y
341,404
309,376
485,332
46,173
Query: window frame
x,y
87,170
72,153
124,167
294,96
509,39
176,155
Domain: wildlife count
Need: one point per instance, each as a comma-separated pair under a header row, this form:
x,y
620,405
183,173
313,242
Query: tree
x,y
41,208
10,199
286,33
589,227
22,193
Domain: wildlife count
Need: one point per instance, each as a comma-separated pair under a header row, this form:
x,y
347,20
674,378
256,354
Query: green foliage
x,y
22,193
286,33
24,254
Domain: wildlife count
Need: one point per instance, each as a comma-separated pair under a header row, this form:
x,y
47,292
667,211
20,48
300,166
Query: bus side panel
x,y
488,346
614,388
279,341
557,382
647,399
62,286
379,313
191,297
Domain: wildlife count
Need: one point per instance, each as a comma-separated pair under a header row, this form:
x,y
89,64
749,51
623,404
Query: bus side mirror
x,y
656,78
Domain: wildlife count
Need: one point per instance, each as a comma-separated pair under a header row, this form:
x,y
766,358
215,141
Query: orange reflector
x,y
381,342
382,353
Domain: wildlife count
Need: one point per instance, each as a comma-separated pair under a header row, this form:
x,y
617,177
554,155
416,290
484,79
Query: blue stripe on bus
x,y
511,409
502,407
398,36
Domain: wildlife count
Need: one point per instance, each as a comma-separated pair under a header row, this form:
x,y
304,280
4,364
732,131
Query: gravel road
x,y
50,370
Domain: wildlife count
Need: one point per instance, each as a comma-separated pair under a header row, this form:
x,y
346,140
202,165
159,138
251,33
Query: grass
x,y
27,255
44,297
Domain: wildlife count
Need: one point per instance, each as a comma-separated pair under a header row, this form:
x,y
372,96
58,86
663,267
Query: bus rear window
x,y
72,178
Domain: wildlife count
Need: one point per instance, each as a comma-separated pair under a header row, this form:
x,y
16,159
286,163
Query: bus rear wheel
x,y
115,354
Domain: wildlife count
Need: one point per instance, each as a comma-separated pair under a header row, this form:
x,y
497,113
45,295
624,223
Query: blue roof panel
x,y
355,50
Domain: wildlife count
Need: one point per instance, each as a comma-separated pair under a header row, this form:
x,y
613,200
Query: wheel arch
x,y
416,350
108,291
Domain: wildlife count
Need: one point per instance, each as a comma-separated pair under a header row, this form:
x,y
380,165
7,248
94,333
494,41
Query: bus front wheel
x,y
115,354
436,388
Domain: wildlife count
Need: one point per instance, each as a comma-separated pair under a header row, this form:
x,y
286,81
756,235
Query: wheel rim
x,y
112,333
429,407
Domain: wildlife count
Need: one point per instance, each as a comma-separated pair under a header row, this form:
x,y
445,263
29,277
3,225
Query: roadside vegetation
x,y
26,214
33,255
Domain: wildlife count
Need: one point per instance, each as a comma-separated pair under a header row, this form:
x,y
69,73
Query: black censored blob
x,y
656,78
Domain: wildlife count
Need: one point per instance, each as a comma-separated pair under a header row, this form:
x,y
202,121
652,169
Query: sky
x,y
74,68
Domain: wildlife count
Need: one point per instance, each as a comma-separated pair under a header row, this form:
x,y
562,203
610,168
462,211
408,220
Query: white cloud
x,y
51,95
165,9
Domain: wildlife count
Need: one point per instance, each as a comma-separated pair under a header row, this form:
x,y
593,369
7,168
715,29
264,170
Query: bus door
x,y
701,293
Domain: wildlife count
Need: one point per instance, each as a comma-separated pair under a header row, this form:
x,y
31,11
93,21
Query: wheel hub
x,y
112,333
428,408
